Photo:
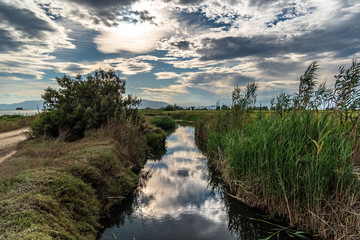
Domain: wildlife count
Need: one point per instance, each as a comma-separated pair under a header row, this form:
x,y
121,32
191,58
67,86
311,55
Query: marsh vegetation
x,y
298,161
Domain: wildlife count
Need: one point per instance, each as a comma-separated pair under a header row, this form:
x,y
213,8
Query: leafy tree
x,y
172,108
225,107
83,103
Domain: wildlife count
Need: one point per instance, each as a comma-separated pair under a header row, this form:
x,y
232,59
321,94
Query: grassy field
x,y
13,122
185,115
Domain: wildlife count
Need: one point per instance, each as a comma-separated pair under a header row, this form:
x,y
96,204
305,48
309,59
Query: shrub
x,y
81,104
164,122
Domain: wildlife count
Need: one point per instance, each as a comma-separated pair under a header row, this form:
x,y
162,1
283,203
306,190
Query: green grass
x,y
48,204
300,166
164,122
186,115
13,122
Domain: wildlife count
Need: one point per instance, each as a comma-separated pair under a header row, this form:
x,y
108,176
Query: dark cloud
x,y
343,40
279,69
190,2
231,79
182,45
144,16
97,4
7,43
111,12
74,68
25,21
259,3
233,47
187,2
136,68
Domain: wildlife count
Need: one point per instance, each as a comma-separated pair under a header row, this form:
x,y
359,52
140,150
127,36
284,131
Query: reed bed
x,y
299,166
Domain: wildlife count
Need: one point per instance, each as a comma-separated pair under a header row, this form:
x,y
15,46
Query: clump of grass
x,y
13,122
164,122
48,204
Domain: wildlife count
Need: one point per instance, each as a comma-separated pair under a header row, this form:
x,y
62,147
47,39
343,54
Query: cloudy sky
x,y
189,52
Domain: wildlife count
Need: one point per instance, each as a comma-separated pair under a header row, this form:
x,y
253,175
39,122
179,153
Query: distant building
x,y
192,108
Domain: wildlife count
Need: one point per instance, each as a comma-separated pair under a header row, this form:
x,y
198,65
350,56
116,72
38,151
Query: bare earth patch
x,y
9,141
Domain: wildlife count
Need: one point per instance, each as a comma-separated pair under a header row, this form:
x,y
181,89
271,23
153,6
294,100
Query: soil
x,y
9,141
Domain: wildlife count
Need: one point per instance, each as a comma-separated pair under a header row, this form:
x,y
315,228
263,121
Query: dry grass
x,y
13,122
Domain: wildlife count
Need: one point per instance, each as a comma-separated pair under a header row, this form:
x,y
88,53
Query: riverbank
x,y
54,189
299,167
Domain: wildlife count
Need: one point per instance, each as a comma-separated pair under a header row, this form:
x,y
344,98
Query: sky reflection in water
x,y
177,201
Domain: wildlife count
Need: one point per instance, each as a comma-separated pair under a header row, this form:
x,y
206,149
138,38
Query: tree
x,y
83,103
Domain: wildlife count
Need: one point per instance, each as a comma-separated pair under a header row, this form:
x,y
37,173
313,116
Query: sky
x,y
188,52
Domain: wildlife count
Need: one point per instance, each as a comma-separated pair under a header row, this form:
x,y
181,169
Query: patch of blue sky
x,y
287,14
199,18
46,8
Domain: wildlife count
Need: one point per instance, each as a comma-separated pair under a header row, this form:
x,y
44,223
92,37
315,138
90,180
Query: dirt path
x,y
8,142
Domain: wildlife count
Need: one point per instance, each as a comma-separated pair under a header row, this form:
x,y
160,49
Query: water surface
x,y
181,199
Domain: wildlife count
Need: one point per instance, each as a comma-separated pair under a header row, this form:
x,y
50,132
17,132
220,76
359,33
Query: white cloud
x,y
137,38
166,75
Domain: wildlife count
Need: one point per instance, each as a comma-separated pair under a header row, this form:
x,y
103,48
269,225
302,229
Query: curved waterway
x,y
181,198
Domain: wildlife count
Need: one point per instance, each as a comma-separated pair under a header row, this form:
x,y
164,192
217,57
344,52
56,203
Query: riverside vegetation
x,y
13,122
297,162
83,156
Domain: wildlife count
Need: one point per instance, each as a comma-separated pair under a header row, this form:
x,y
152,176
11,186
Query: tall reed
x,y
296,164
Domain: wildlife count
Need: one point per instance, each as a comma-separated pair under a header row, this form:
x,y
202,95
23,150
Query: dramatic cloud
x,y
198,49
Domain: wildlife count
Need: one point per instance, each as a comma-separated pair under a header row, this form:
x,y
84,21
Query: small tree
x,y
83,103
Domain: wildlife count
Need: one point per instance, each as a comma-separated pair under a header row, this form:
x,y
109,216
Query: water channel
x,y
181,198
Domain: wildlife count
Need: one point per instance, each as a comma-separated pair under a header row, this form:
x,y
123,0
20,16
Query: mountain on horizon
x,y
26,105
152,104
38,104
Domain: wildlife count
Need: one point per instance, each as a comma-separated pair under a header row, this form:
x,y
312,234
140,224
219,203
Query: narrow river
x,y
181,199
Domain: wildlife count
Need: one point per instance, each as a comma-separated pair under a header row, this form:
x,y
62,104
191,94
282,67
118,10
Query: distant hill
x,y
27,105
152,104
32,105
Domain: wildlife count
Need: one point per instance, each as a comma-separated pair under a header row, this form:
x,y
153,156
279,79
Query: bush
x,y
82,104
165,123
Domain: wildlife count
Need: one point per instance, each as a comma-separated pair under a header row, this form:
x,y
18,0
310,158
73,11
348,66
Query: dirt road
x,y
8,142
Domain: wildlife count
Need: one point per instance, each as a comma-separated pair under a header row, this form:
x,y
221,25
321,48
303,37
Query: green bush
x,y
82,104
156,142
165,123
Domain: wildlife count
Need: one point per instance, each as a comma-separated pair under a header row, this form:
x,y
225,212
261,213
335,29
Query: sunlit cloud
x,y
166,75
137,38
198,49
